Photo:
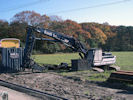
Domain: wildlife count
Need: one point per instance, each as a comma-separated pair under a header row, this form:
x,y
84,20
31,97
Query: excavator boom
x,y
58,37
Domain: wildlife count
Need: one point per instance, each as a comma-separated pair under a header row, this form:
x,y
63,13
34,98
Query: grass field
x,y
55,58
124,59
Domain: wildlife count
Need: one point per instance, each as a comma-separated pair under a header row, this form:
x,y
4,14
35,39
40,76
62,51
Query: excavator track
x,y
121,76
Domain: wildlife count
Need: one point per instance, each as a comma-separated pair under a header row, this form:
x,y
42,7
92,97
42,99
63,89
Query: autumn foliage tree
x,y
4,26
31,18
105,36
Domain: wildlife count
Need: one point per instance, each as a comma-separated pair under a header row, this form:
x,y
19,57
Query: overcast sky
x,y
115,12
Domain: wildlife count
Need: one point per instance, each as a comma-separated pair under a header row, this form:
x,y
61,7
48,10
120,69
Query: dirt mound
x,y
69,88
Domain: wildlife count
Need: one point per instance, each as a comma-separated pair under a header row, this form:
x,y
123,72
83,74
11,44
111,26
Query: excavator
x,y
92,57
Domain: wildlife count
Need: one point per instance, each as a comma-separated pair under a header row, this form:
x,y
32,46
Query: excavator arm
x,y
58,37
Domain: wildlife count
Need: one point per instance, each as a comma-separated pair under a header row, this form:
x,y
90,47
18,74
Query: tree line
x,y
93,35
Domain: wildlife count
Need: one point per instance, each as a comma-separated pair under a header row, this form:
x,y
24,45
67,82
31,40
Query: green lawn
x,y
124,59
55,58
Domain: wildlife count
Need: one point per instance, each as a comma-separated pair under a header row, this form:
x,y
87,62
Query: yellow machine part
x,y
10,43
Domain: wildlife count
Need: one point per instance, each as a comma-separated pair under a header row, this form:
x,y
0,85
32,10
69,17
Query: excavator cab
x,y
94,59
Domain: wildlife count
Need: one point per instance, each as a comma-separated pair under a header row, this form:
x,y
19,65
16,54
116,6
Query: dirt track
x,y
70,88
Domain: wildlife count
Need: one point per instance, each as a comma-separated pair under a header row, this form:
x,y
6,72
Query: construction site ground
x,y
72,86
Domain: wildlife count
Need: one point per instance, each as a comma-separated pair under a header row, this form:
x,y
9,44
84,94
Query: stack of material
x,y
122,76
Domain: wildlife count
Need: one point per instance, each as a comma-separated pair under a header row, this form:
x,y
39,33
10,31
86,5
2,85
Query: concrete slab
x,y
15,95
